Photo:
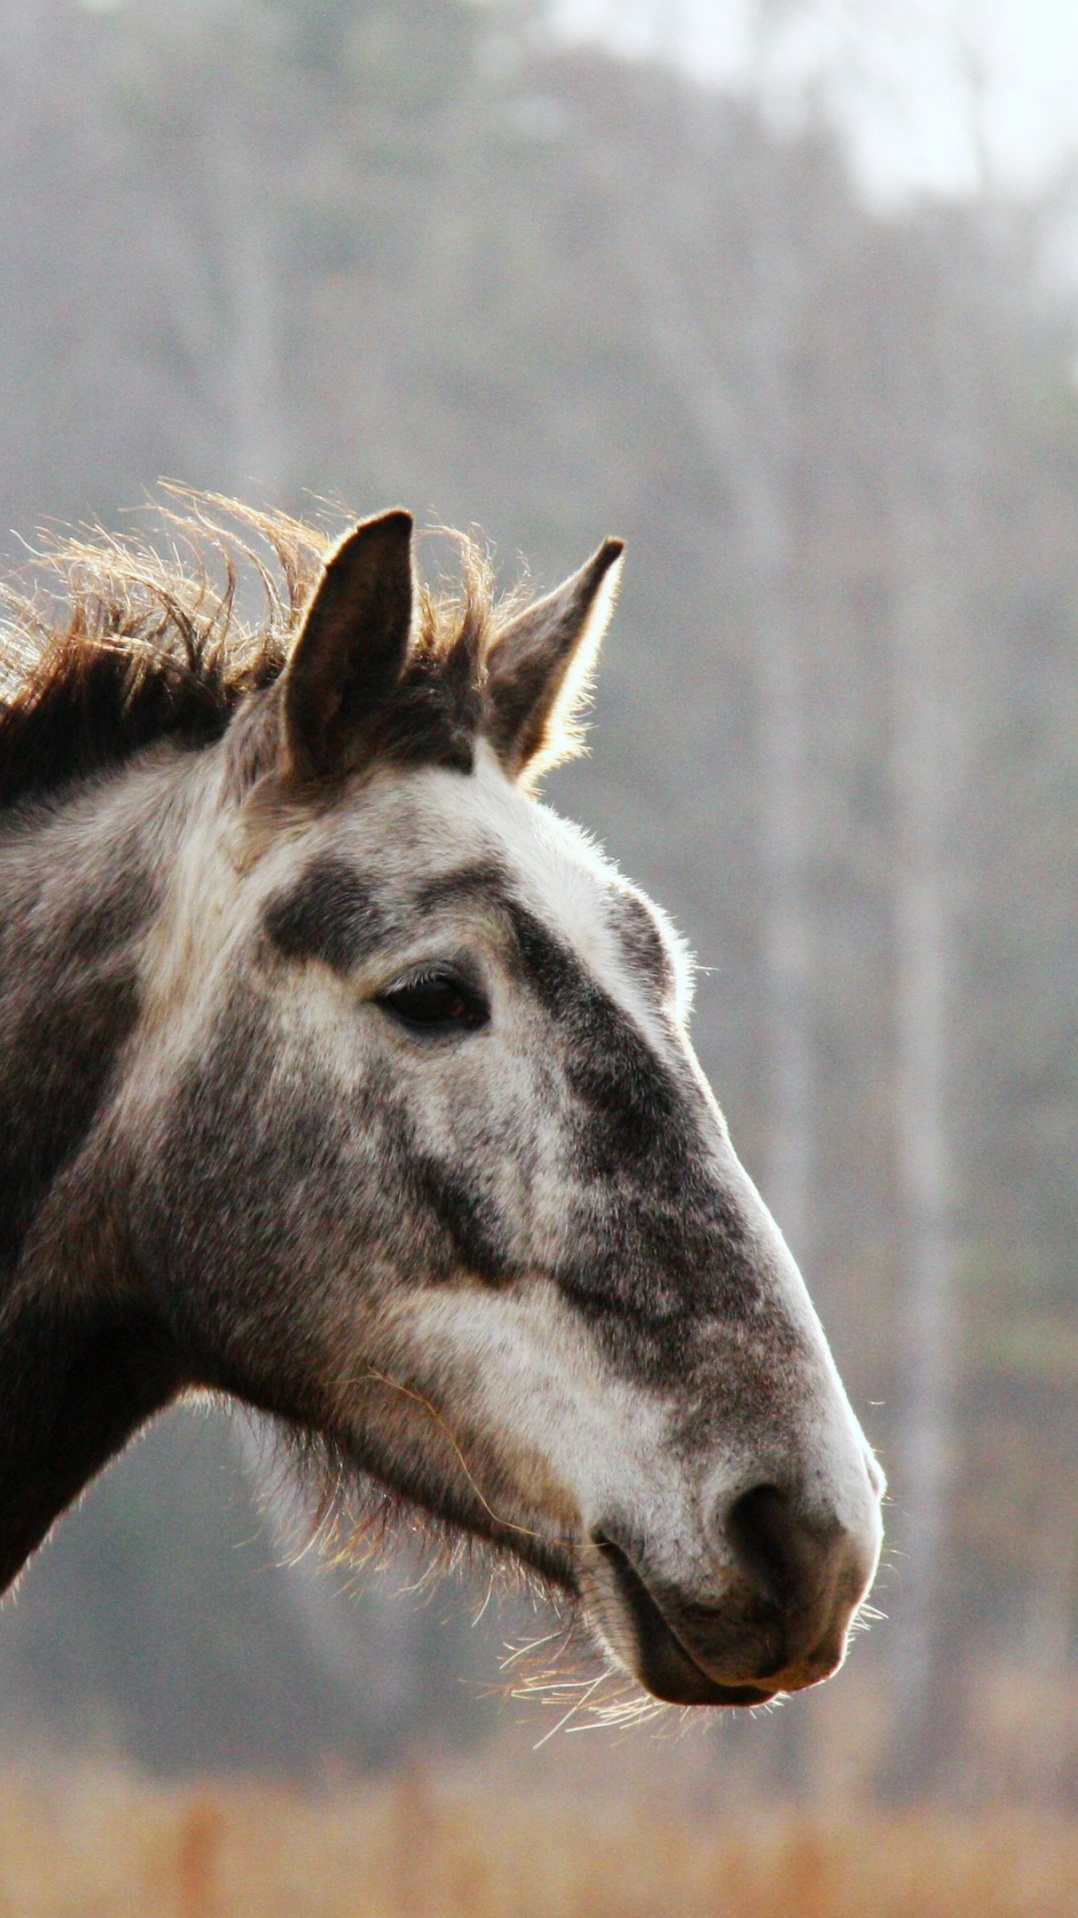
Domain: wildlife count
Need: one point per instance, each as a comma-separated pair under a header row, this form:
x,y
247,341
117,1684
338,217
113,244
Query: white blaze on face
x,y
532,1375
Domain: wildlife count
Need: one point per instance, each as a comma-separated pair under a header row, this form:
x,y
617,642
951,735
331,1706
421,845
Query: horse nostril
x,y
781,1554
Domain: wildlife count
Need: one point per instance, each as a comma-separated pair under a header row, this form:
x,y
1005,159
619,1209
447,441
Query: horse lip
x,y
664,1663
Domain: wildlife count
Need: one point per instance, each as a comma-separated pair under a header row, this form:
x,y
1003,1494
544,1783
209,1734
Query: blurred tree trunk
x,y
214,287
931,533
52,186
248,268
923,1158
769,457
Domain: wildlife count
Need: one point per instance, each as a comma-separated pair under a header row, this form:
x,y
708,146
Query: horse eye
x,y
437,1002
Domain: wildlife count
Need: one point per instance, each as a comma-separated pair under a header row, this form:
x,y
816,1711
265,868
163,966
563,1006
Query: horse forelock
x,y
107,645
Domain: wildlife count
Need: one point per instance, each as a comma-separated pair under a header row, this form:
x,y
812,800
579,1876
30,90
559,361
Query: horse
x,y
343,1078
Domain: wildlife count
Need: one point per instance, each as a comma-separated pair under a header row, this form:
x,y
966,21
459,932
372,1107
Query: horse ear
x,y
351,648
539,669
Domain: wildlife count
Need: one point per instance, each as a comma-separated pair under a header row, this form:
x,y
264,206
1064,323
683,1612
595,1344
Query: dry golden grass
x,y
103,1846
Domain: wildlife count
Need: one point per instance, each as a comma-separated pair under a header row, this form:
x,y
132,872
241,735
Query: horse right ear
x,y
351,649
540,666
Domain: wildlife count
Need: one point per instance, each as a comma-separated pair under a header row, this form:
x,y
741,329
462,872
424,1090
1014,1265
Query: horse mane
x,y
115,645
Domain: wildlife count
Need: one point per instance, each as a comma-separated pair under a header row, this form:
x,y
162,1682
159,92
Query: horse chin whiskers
x,y
322,1498
574,1676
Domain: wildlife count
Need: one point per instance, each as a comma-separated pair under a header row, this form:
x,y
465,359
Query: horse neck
x,y
82,1360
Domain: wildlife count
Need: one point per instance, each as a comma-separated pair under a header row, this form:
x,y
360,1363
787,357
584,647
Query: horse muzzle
x,y
790,1586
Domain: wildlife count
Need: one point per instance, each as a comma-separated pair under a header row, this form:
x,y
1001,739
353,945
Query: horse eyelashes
x,y
437,1002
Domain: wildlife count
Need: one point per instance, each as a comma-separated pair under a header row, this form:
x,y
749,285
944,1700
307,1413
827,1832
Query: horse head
x,y
418,1158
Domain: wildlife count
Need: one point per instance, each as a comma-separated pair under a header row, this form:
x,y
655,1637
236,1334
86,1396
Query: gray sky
x,y
919,84
922,86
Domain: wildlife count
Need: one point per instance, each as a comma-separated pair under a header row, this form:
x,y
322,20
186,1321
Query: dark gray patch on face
x,y
660,1251
632,1100
113,917
487,881
242,1197
642,943
68,1002
330,914
57,1068
258,1225
260,1213
468,1219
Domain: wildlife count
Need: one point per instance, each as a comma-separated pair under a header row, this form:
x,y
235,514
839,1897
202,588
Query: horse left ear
x,y
351,649
539,669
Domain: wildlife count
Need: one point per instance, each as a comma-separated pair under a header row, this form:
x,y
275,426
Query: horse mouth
x,y
663,1663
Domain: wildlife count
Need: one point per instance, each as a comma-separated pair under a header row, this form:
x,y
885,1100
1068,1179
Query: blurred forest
x,y
420,251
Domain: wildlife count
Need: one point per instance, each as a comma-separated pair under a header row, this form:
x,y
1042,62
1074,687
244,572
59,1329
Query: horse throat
x,y
82,1361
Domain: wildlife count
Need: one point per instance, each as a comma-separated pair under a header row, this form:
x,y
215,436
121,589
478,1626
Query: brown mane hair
x,y
113,647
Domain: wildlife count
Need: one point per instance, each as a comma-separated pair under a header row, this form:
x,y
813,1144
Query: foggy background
x,y
780,294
